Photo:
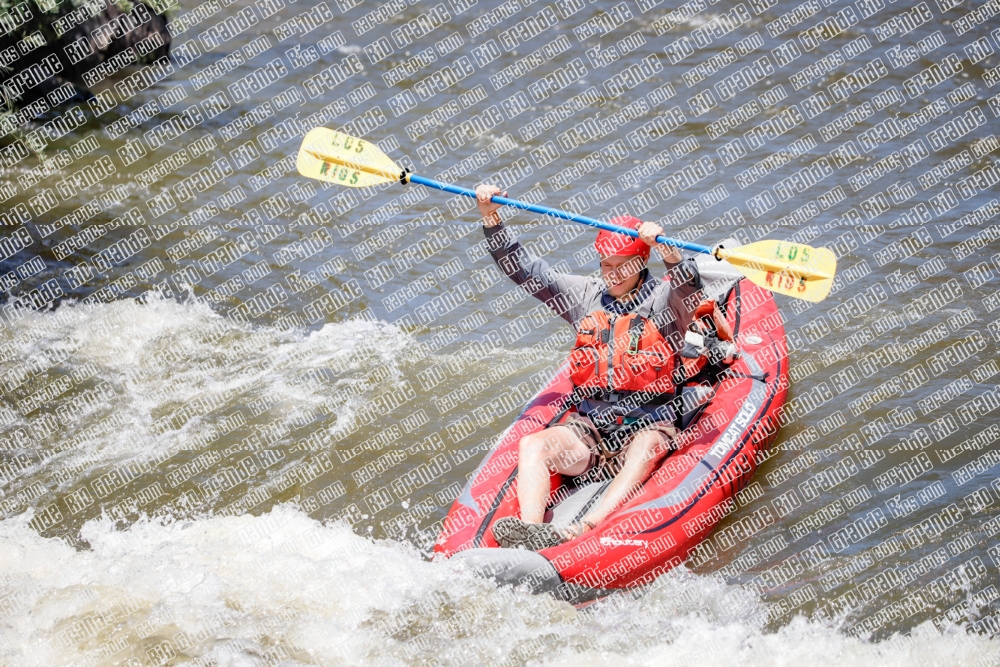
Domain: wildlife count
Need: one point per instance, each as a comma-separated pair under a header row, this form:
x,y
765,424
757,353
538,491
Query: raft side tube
x,y
517,567
525,569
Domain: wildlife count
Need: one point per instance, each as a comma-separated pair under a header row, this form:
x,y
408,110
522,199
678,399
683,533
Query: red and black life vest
x,y
621,353
627,353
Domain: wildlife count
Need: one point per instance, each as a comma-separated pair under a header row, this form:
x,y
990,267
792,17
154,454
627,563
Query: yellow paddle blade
x,y
335,157
787,268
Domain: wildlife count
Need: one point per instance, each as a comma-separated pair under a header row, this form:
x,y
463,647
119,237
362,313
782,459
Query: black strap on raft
x,y
580,393
678,407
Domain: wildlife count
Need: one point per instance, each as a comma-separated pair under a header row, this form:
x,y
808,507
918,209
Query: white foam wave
x,y
153,359
258,590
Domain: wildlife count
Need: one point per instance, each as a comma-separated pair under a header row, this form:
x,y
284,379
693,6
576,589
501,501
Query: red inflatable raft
x,y
676,508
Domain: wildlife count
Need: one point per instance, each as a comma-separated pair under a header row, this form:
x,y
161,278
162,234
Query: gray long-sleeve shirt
x,y
670,303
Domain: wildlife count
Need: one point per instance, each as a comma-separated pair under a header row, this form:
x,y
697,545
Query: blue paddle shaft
x,y
565,215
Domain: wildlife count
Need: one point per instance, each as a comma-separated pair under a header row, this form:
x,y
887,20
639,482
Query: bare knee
x,y
532,448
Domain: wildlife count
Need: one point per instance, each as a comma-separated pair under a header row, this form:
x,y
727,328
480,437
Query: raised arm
x,y
648,231
674,310
564,293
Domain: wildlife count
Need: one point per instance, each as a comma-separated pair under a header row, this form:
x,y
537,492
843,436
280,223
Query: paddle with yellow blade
x,y
787,268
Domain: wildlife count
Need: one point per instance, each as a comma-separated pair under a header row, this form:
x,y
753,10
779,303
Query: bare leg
x,y
558,449
646,451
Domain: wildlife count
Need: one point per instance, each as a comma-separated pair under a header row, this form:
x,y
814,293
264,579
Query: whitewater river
x,y
234,438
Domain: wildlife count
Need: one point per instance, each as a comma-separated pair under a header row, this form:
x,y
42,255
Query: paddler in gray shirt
x,y
629,327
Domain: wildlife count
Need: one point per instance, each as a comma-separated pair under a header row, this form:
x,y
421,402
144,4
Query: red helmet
x,y
611,244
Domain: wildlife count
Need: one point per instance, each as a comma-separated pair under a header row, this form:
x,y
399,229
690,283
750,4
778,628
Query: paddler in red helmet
x,y
624,366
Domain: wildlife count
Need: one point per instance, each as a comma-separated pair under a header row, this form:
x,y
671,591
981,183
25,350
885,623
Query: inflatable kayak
x,y
677,507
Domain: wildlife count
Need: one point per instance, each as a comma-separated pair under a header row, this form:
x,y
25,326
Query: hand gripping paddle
x,y
793,269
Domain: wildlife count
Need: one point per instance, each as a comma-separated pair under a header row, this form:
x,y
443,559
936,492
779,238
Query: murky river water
x,y
194,442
